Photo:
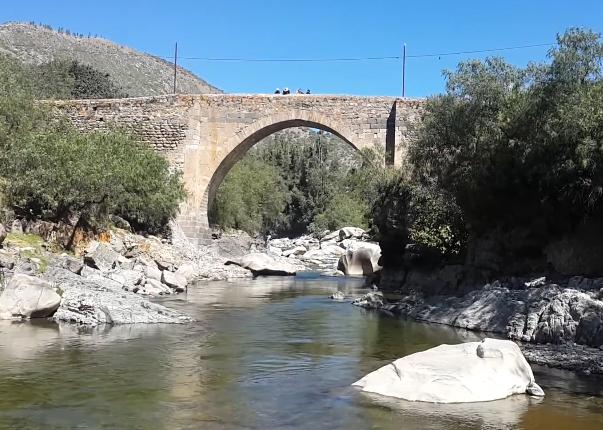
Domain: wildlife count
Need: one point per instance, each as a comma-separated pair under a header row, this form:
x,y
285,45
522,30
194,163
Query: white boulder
x,y
3,233
350,232
188,271
298,250
361,259
468,372
263,264
100,256
28,297
174,280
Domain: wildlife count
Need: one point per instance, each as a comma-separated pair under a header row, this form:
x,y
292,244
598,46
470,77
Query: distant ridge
x,y
137,73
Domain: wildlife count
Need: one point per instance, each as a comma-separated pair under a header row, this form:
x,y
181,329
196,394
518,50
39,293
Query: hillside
x,y
137,73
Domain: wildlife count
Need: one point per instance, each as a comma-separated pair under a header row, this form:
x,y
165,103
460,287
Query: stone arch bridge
x,y
205,135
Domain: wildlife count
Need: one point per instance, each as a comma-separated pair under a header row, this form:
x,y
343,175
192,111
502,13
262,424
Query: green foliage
x,y
520,147
252,197
90,83
321,183
340,212
60,174
406,211
58,79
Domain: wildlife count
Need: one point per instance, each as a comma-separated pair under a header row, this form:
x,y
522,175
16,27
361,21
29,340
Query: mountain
x,y
138,74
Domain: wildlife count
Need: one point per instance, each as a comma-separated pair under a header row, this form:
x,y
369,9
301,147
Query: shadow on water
x,y
264,353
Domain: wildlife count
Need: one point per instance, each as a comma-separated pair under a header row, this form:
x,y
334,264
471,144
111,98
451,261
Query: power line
x,y
323,60
391,57
477,51
291,60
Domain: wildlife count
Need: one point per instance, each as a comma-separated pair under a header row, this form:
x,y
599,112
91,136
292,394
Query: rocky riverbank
x,y
346,251
556,324
109,279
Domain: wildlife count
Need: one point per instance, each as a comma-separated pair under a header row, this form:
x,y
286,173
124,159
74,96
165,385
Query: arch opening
x,y
246,143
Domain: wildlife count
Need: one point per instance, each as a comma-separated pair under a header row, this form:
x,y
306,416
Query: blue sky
x,y
319,29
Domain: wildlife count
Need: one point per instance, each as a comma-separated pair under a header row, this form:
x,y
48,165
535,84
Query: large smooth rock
x,y
153,287
263,264
298,250
28,297
3,234
468,372
176,281
362,259
100,256
188,271
128,278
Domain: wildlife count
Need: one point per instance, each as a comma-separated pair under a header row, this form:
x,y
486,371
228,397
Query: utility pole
x,y
175,65
404,70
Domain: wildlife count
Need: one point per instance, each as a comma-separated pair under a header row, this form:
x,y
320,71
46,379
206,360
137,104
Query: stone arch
x,y
237,145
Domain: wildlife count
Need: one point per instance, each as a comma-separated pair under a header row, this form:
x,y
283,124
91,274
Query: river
x,y
263,354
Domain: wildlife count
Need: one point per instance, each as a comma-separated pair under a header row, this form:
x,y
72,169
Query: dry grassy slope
x,y
137,73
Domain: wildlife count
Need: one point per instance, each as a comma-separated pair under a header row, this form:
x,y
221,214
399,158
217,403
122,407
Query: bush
x,y
53,172
252,197
520,147
341,211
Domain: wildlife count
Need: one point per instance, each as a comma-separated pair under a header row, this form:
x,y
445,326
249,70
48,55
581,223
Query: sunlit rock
x,y
28,297
263,264
362,259
468,372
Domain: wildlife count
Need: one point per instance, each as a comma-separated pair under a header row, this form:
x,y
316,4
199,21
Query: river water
x,y
264,354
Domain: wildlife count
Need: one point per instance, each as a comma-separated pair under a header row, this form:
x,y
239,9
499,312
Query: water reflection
x,y
263,354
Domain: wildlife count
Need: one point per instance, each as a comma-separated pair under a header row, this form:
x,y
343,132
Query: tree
x,y
520,148
60,174
252,197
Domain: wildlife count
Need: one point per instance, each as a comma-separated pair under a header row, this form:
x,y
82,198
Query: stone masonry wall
x,y
205,135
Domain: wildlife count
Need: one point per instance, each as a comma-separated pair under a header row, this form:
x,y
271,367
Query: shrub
x,y
520,147
252,197
60,174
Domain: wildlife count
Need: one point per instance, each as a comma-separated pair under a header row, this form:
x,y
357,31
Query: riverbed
x,y
263,354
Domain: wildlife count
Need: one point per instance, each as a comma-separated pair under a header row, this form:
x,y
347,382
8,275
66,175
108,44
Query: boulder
x,y
128,278
151,271
298,250
3,233
468,372
174,280
28,297
338,295
188,271
72,264
100,256
362,259
263,264
7,260
153,287
17,227
371,300
275,251
350,232
96,300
